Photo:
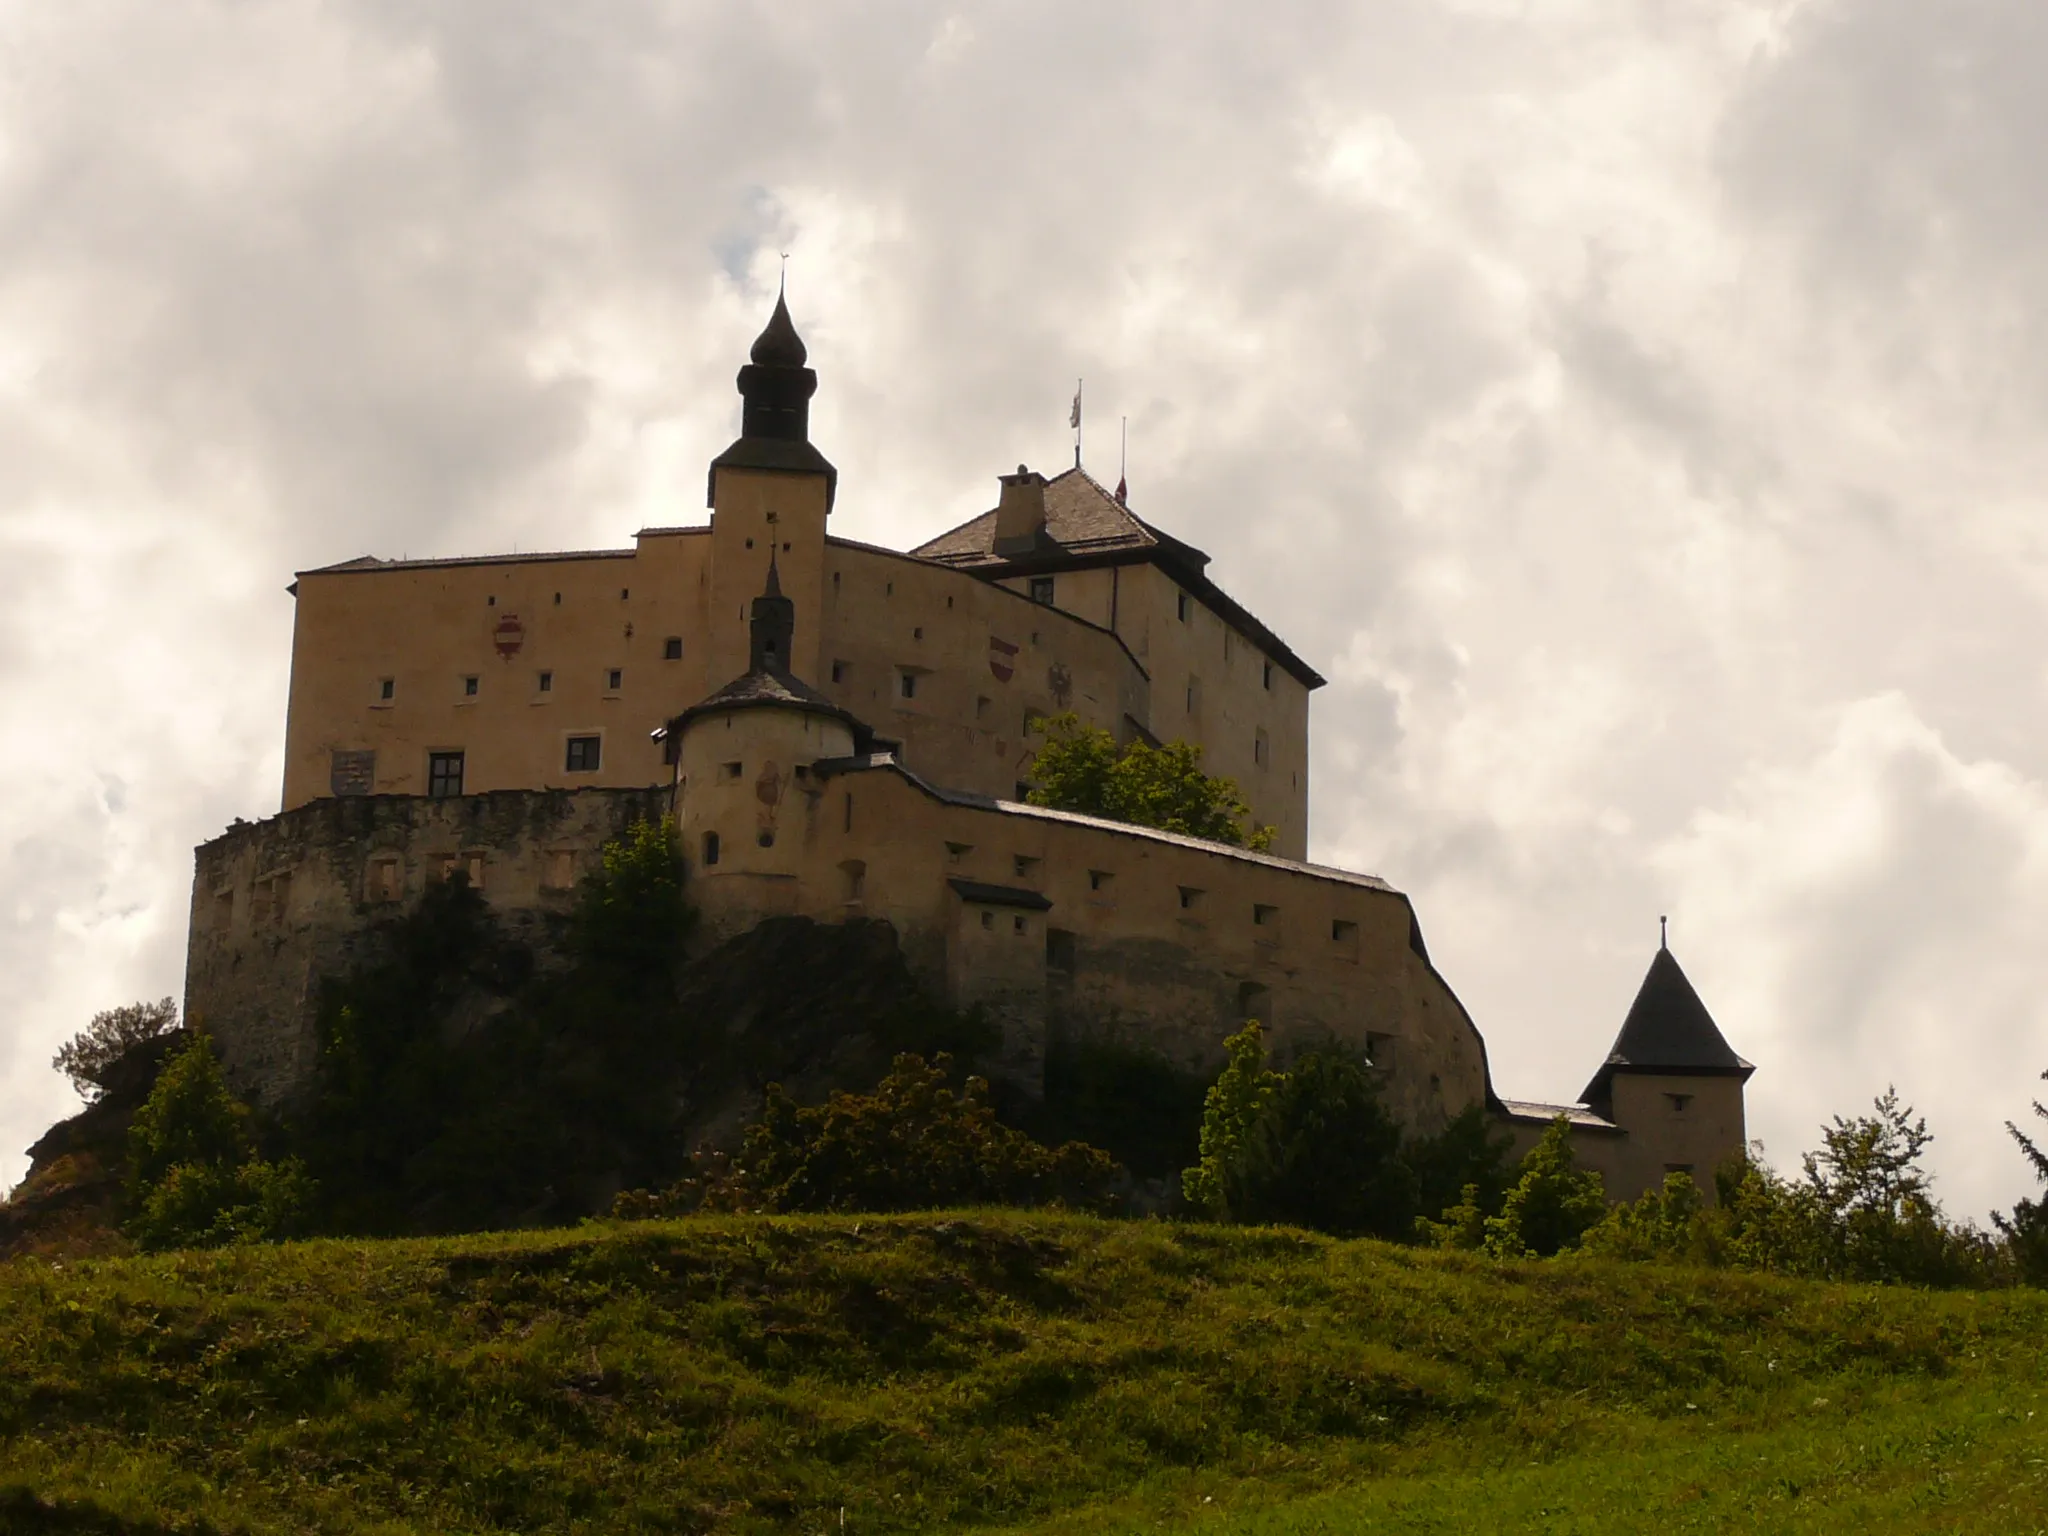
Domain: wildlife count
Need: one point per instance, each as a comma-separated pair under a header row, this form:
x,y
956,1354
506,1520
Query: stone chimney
x,y
1020,515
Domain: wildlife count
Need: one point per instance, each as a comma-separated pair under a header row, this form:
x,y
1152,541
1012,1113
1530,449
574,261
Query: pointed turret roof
x,y
778,345
775,410
1668,1029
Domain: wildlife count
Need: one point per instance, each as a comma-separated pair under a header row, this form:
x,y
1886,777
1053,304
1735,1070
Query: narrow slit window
x,y
710,849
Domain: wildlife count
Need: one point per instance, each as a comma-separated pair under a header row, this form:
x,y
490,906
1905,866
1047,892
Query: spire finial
x,y
1663,933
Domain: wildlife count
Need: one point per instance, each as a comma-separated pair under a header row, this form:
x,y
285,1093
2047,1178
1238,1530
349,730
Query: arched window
x,y
710,849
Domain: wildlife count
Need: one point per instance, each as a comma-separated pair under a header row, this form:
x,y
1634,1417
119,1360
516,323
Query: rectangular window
x,y
672,648
1264,915
582,754
1268,678
906,685
1194,694
981,709
839,670
1181,606
470,685
547,682
1262,747
1041,589
955,852
444,775
560,874
387,688
1026,866
613,680
729,773
1678,1103
1098,879
1342,932
1190,898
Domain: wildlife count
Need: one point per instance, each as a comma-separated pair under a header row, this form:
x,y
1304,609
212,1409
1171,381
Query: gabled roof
x,y
1668,1029
1085,525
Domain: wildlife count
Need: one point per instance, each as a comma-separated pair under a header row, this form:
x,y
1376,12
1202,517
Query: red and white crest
x,y
1002,659
509,636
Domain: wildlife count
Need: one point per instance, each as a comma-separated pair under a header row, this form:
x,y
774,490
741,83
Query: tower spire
x,y
772,626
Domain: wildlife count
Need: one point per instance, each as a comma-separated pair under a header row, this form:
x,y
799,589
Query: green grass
x,y
1000,1369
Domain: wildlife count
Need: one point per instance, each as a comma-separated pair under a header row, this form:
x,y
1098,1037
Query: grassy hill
x,y
1000,1369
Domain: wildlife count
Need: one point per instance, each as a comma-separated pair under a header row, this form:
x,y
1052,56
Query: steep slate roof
x,y
1668,1029
1085,525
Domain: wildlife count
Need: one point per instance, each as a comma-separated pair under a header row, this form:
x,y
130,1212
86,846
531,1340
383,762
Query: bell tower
x,y
770,493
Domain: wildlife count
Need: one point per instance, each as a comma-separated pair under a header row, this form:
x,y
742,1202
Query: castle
x,y
844,731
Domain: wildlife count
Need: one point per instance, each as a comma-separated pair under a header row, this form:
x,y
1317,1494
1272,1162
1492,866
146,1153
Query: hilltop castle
x,y
844,731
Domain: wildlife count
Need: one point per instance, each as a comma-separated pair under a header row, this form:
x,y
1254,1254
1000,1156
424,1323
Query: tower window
x,y
839,671
546,682
1190,898
624,593
614,678
582,754
1267,679
1342,932
728,773
470,686
387,687
1194,697
1262,748
558,599
710,848
1678,1102
1099,879
906,685
1264,915
1181,606
1017,925
988,920
1026,866
1041,589
444,775
672,648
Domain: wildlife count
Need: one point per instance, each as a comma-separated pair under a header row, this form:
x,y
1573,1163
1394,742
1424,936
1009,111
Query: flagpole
x,y
1077,422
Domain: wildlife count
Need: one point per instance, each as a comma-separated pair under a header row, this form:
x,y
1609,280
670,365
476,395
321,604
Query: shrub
x,y
1230,1109
912,1144
1664,1223
2026,1230
1551,1205
88,1056
1324,1153
1132,1102
194,1179
1081,768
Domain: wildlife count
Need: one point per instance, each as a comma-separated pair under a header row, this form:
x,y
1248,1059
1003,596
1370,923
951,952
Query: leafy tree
x,y
1468,1155
912,1144
1081,768
1323,1152
87,1056
194,1179
1663,1224
1230,1110
1551,1205
2026,1229
1462,1224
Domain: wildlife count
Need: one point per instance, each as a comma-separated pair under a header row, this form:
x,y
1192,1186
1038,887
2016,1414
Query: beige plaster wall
x,y
1160,942
872,616
1652,1135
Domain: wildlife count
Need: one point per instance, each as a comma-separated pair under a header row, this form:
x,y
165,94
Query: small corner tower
x,y
749,798
1673,1083
770,493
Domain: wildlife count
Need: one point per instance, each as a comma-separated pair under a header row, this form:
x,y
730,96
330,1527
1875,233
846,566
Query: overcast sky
x,y
1635,408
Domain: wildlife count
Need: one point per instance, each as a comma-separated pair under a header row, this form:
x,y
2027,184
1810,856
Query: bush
x,y
88,1056
1324,1153
912,1144
1551,1205
194,1179
1081,768
2026,1230
1130,1101
1663,1224
1230,1110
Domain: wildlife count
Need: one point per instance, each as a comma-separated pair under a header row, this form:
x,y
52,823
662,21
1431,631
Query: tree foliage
x,y
914,1143
88,1056
2026,1229
1081,768
1552,1203
194,1176
1315,1146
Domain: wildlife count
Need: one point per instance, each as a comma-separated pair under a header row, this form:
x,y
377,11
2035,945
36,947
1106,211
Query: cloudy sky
x,y
1638,409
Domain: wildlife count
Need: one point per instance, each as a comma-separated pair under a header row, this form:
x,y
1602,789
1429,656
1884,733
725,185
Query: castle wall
x,y
1210,684
1057,922
1655,1124
983,660
278,904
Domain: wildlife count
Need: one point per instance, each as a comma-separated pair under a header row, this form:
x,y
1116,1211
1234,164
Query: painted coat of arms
x,y
1002,659
509,636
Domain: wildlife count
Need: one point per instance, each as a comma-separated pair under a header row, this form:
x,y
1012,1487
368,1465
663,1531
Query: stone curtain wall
x,y
280,903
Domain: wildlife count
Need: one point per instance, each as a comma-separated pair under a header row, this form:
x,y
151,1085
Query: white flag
x,y
1074,420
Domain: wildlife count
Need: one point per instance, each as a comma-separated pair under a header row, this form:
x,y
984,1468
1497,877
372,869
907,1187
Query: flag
x,y
1122,490
1074,420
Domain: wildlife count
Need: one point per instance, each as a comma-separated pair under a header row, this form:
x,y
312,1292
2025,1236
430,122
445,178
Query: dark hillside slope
x,y
742,1374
